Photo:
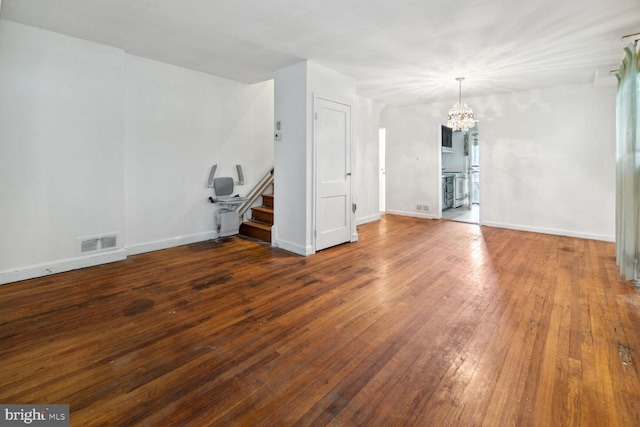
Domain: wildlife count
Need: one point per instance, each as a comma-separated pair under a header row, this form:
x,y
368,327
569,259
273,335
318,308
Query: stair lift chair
x,y
227,218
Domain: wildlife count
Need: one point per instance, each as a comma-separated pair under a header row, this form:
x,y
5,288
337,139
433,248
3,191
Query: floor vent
x,y
97,243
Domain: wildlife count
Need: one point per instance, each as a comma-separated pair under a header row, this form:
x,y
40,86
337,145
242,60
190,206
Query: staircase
x,y
259,226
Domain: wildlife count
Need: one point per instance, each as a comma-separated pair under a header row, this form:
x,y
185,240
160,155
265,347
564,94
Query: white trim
x,y
413,214
554,231
314,178
103,257
54,267
294,248
170,243
438,171
366,219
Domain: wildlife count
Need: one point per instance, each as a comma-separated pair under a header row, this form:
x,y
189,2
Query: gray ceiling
x,y
401,52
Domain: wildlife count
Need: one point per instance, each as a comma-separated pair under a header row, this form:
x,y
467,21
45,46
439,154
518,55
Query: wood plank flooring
x,y
421,322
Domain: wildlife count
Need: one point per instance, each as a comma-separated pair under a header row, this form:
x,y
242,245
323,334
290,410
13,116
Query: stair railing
x,y
256,192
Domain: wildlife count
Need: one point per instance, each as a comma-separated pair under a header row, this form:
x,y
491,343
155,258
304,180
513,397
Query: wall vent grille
x,y
97,243
89,245
108,242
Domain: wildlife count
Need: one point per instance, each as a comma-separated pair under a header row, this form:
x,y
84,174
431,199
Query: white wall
x,y
178,123
290,159
61,149
412,158
550,158
547,159
366,127
96,141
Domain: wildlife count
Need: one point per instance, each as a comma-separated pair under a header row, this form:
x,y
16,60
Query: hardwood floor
x,y
421,322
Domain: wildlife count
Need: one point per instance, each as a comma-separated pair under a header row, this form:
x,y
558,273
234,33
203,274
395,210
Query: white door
x,y
333,213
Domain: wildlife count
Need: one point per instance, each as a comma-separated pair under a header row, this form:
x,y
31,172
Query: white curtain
x,y
628,166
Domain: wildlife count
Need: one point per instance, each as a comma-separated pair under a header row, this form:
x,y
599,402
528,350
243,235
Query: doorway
x,y
382,184
461,166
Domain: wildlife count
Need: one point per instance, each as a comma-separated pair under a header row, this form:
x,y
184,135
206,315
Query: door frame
x,y
382,169
314,168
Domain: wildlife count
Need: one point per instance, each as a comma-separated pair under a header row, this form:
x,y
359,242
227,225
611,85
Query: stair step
x,y
256,230
262,214
267,200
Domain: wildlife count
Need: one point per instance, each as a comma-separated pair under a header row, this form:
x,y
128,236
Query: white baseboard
x,y
413,214
170,243
366,219
53,267
294,248
554,231
48,268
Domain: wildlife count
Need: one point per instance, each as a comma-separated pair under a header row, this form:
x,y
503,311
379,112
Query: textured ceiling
x,y
401,52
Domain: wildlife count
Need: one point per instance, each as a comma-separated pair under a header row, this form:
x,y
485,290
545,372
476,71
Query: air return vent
x,y
108,242
97,243
89,245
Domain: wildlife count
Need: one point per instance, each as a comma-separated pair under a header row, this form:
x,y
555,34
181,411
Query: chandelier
x,y
460,115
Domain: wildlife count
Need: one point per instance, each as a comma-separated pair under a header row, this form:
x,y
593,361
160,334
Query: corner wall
x,y
290,160
294,90
178,123
95,141
547,159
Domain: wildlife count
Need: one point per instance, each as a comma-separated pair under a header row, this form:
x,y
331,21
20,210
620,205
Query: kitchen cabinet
x,y
447,191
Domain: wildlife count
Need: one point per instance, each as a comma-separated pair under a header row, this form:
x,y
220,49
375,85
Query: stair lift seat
x,y
223,187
